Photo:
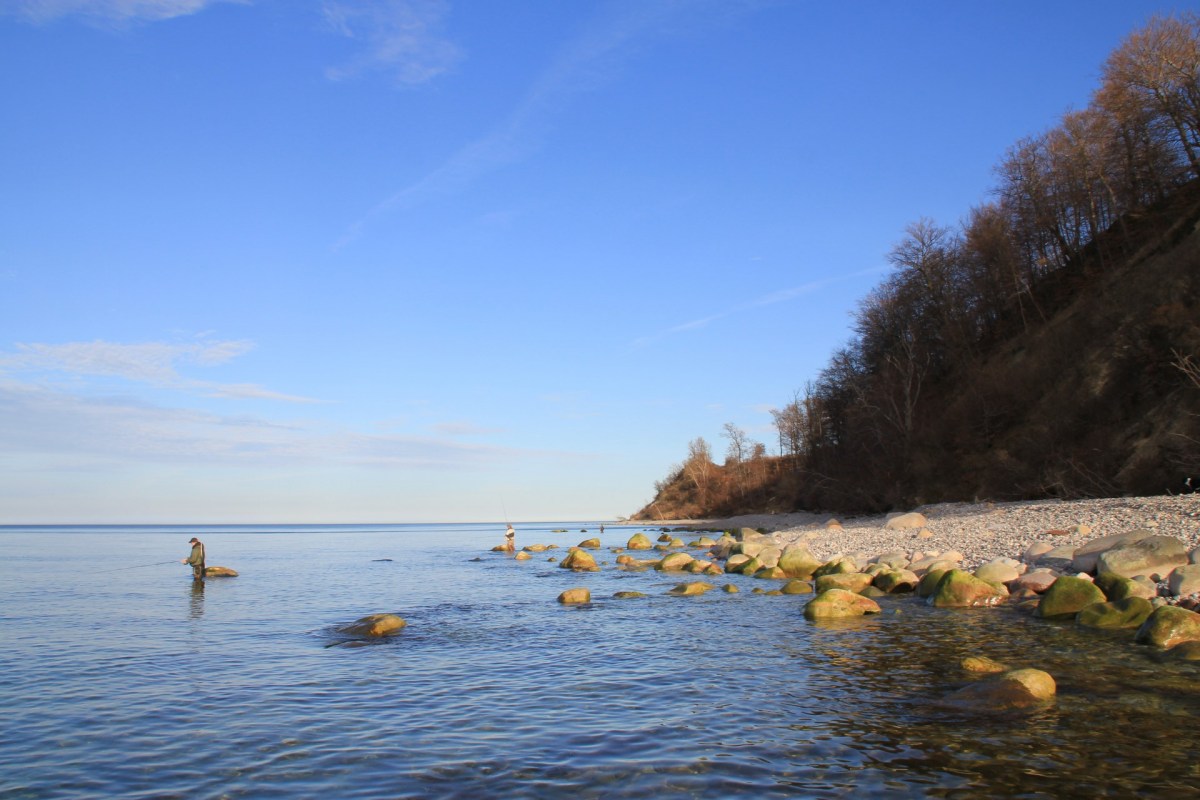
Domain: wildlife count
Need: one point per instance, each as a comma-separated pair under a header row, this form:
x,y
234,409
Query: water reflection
x,y
196,600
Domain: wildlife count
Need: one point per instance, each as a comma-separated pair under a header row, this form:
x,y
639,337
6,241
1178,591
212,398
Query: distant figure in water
x,y
196,559
602,528
510,537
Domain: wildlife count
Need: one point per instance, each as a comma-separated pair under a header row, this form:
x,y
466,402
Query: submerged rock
x,y
639,541
1129,612
796,586
580,561
1017,689
693,588
960,589
982,664
374,626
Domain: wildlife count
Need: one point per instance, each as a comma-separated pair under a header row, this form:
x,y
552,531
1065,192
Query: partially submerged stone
x,y
580,561
219,572
797,561
627,595
797,586
839,604
693,588
1067,596
589,544
639,541
961,589
674,562
896,580
374,626
850,581
1129,612
982,664
575,596
1168,627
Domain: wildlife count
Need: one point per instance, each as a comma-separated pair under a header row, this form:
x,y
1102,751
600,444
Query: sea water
x,y
120,678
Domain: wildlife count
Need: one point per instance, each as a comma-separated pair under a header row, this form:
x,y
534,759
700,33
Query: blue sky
x,y
404,260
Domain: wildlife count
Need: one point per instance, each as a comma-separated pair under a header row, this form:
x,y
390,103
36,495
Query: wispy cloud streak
x,y
40,12
399,37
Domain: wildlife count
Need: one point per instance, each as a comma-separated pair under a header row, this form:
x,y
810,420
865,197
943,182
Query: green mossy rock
x,y
639,541
1118,587
750,567
797,586
675,562
736,562
929,581
797,561
894,581
1129,612
589,544
1168,627
839,604
627,595
840,566
960,589
580,561
1067,596
850,581
770,573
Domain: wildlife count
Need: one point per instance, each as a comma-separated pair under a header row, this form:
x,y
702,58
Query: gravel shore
x,y
981,532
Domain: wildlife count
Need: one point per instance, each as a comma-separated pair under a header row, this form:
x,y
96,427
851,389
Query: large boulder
x,y
797,586
930,580
675,562
751,549
769,556
576,596
737,562
906,522
1115,614
1086,556
894,581
850,581
1116,587
589,544
1169,626
1153,555
797,561
374,626
839,604
639,541
835,567
580,561
1000,570
1067,596
1014,690
960,589
220,572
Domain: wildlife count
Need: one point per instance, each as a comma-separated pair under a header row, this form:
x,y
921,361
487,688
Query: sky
x,y
306,261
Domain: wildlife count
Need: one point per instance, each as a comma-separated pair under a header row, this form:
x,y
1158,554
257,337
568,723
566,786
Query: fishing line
x,y
139,566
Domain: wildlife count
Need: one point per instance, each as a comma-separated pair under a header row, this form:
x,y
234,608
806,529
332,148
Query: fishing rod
x,y
139,566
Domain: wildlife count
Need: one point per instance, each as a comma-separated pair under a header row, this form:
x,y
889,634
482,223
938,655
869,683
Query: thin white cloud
x,y
463,429
155,363
54,427
114,11
399,37
781,296
584,64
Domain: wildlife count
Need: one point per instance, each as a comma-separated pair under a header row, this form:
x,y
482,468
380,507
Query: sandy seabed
x,y
979,531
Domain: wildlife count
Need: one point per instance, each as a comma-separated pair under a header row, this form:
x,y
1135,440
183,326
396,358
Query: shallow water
x,y
122,680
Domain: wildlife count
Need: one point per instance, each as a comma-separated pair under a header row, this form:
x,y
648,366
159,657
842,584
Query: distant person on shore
x,y
196,559
510,539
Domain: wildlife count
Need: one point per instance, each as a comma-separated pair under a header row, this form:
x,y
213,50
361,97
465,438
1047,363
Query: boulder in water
x,y
221,572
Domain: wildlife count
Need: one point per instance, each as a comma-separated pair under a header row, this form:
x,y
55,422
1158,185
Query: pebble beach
x,y
982,531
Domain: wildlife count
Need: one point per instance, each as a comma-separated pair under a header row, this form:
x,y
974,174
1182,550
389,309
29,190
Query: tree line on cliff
x,y
1046,346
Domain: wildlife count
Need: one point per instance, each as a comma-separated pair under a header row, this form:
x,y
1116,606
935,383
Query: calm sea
x,y
120,679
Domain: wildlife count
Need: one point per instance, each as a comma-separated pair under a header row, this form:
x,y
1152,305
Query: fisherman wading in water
x,y
510,539
196,559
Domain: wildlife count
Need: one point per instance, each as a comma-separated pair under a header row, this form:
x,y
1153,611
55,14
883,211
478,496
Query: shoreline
x,y
981,532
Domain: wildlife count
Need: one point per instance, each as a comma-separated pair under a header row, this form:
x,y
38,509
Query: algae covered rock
x,y
930,580
1129,612
961,589
797,561
836,567
797,586
839,604
1014,690
639,541
1117,587
736,562
580,561
627,595
850,581
1067,596
575,596
894,581
1168,627
770,573
675,562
